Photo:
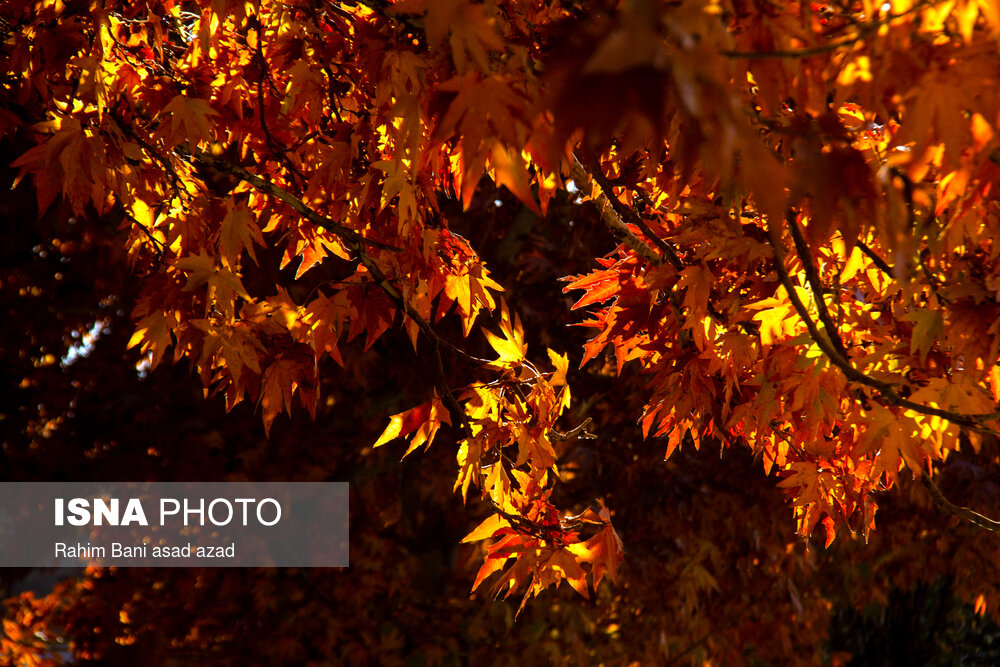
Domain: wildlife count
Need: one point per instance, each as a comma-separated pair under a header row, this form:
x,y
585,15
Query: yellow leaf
x,y
561,362
772,319
153,332
487,528
510,171
854,264
511,347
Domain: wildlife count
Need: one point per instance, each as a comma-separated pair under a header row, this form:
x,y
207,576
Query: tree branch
x,y
801,53
580,431
864,31
386,11
951,508
613,213
172,175
265,75
876,260
352,239
812,276
357,244
885,389
628,214
348,235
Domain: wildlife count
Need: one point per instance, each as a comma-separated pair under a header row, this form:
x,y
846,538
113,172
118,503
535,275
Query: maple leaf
x,y
199,268
511,347
470,452
509,170
604,551
325,316
152,334
599,286
561,363
186,119
65,163
280,381
775,319
224,287
929,324
425,419
239,232
241,349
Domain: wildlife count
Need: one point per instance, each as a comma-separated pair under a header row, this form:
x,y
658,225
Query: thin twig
x,y
348,235
951,508
158,245
175,180
576,432
448,396
864,31
265,75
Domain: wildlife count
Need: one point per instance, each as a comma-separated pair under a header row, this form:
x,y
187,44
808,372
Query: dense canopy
x,y
693,306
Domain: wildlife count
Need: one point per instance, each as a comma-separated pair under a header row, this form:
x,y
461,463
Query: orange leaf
x,y
186,119
425,419
603,551
239,232
488,528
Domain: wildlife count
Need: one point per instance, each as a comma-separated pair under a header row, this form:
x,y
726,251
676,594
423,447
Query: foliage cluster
x,y
774,225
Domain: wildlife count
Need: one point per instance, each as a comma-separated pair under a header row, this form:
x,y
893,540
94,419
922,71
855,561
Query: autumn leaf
x,y
186,119
780,226
604,551
510,347
152,335
239,232
928,327
424,419
598,286
280,381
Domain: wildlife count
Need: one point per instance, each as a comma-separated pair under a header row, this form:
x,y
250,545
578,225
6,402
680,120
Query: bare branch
x,y
951,508
579,431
